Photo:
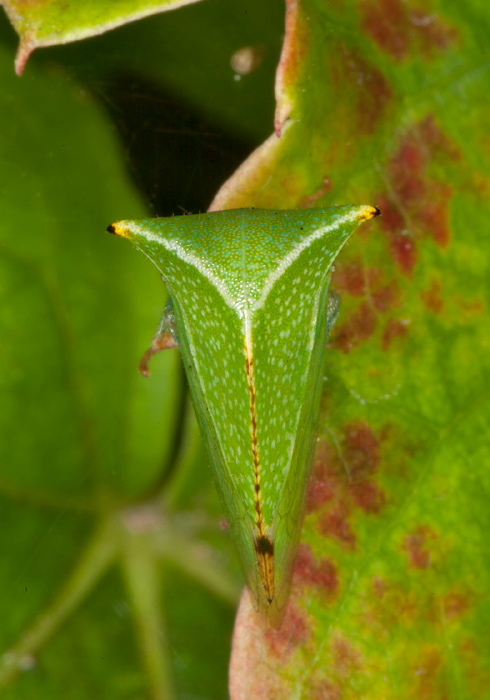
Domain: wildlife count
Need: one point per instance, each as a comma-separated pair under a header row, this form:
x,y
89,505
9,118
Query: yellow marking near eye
x,y
367,213
119,230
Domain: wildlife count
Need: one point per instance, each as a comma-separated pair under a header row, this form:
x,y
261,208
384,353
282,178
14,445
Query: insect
x,y
250,311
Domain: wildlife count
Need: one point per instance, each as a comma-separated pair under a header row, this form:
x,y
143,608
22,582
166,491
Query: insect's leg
x,y
165,337
332,310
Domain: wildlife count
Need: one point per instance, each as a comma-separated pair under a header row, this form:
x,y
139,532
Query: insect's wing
x,y
289,508
290,327
212,345
288,381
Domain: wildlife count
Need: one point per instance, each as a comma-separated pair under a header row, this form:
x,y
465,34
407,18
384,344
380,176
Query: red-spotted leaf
x,y
381,102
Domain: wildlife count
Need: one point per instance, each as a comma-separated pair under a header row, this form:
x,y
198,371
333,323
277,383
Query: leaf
x,y
50,22
86,442
219,57
381,102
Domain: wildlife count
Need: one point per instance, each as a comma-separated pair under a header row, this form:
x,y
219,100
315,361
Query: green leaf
x,y
84,438
58,304
218,56
50,22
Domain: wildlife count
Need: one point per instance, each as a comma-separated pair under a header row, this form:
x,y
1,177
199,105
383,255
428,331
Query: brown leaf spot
x,y
372,90
322,485
395,328
360,326
455,604
392,219
470,308
416,546
427,672
382,19
434,217
433,33
417,204
354,278
361,450
319,492
399,28
350,277
432,298
292,633
404,251
368,497
346,659
386,297
474,659
437,141
402,245
342,481
324,690
406,170
320,573
379,586
389,604
336,525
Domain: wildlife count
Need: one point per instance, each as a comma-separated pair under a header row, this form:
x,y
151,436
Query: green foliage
x,y
111,525
50,22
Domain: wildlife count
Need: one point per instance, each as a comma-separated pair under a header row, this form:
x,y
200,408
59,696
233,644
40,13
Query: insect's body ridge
x,y
250,304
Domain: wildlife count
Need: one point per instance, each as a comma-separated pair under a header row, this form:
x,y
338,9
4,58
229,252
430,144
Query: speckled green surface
x,y
250,288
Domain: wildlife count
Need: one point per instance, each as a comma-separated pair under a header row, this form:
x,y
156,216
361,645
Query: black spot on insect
x,y
111,228
263,545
